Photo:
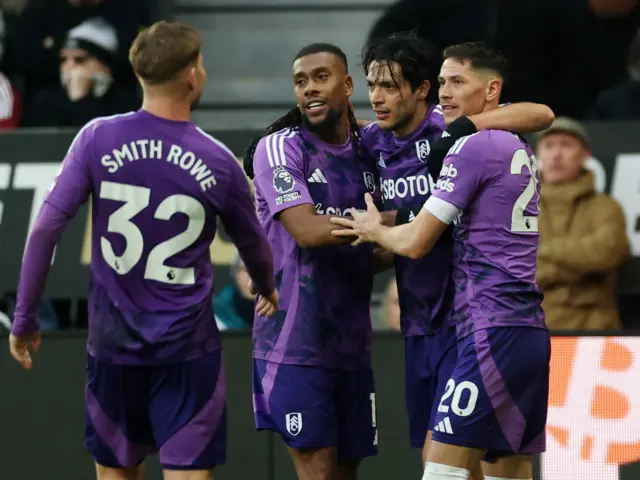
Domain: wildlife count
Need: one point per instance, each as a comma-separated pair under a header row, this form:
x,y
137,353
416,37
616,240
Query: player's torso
x,y
154,207
496,240
405,183
326,290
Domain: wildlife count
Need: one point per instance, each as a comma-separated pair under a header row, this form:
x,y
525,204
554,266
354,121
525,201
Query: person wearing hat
x,y
86,89
583,237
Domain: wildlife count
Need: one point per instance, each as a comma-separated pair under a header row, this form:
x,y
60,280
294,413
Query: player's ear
x,y
192,78
423,90
348,85
494,88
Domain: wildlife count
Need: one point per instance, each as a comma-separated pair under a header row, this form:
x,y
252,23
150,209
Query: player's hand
x,y
21,348
268,306
364,225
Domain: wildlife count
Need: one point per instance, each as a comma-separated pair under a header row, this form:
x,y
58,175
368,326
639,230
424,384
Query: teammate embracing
x,y
495,398
402,77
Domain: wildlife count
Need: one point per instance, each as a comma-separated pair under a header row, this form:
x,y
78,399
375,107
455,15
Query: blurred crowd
x,y
64,62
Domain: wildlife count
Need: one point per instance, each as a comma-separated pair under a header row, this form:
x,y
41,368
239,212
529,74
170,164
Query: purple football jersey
x,y
157,187
423,284
491,176
325,293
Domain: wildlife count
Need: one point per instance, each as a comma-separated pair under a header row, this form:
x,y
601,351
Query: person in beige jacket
x,y
583,237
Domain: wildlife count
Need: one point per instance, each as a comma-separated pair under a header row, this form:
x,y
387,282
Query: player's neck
x,y
168,109
412,125
334,135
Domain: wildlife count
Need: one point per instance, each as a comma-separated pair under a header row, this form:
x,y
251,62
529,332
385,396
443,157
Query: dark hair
x,y
480,56
417,58
293,118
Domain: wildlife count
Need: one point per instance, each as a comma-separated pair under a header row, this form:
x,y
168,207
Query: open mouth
x,y
315,106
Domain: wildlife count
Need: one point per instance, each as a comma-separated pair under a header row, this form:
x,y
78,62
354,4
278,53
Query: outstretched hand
x,y
364,225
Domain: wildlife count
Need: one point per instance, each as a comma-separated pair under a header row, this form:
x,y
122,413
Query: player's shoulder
x,y
276,149
487,142
218,149
91,129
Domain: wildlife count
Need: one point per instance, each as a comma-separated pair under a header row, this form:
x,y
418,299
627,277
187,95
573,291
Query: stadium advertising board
x,y
593,425
30,161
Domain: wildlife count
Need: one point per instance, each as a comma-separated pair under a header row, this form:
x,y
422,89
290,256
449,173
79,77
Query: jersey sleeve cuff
x,y
441,209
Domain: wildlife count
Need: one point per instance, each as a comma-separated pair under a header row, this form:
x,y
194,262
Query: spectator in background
x,y
391,307
10,107
87,88
43,28
234,305
622,102
583,237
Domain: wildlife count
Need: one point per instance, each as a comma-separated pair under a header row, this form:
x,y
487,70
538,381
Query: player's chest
x,y
341,182
404,180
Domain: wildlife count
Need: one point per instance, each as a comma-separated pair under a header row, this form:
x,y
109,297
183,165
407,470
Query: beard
x,y
327,125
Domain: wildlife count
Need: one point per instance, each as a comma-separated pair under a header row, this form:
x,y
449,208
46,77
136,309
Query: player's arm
x,y
279,174
603,249
69,190
524,117
241,224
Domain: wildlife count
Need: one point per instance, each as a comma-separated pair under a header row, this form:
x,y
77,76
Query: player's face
x,y
197,77
464,91
322,88
394,103
562,157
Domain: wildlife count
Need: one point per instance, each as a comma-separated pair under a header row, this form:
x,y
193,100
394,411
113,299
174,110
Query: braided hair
x,y
293,118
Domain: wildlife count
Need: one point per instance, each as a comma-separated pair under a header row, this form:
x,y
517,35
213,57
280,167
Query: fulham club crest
x,y
294,423
370,182
423,149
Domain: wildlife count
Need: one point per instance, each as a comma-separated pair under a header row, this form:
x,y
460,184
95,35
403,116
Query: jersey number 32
x,y
135,200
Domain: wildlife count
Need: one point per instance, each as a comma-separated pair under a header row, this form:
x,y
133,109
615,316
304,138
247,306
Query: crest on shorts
x,y
423,148
294,423
370,181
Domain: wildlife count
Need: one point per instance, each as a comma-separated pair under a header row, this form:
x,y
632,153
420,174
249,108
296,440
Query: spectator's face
x,y
394,103
322,88
562,157
464,91
74,58
243,280
391,311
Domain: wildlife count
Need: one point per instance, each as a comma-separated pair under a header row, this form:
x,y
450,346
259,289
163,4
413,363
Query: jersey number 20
x,y
135,200
520,222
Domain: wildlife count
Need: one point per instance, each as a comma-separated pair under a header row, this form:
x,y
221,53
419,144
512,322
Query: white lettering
x,y
123,153
155,149
187,160
108,162
174,154
410,186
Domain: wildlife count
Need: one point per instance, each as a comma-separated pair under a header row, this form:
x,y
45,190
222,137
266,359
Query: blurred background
x,y
64,62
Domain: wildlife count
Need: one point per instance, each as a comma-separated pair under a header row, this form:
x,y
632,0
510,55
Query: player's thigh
x,y
493,390
188,415
420,388
510,466
130,473
188,475
297,402
355,401
315,463
118,434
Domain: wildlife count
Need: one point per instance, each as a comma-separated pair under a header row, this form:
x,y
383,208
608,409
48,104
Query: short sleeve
x,y
280,174
72,184
460,179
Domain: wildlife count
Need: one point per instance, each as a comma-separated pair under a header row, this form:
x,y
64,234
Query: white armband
x,y
441,209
